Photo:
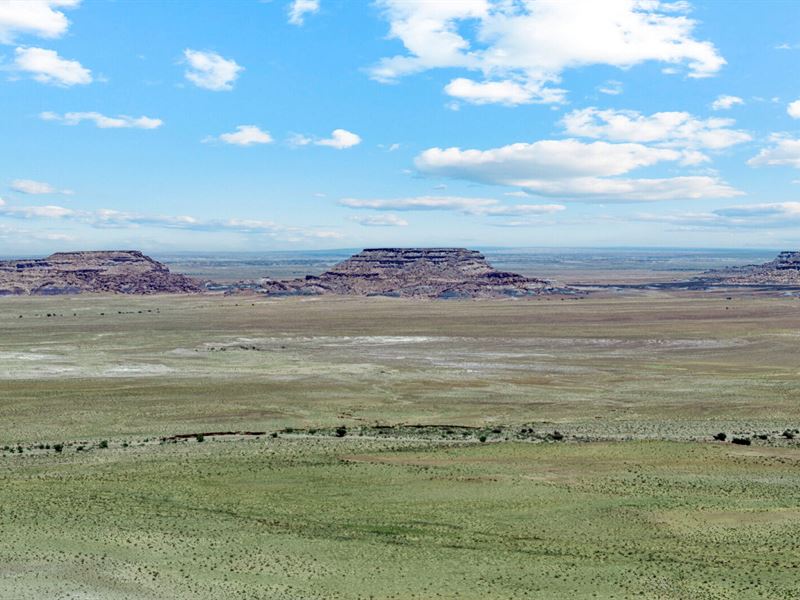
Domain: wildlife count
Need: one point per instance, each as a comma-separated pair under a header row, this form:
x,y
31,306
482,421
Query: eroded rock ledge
x,y
123,271
783,270
414,272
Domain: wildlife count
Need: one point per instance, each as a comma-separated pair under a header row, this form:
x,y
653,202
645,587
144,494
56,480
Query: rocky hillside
x,y
124,272
414,272
784,270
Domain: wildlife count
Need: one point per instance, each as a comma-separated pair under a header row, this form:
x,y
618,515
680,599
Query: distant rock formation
x,y
414,272
123,272
784,270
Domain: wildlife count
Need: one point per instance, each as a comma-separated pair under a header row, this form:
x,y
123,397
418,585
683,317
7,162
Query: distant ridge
x,y
783,270
414,272
116,271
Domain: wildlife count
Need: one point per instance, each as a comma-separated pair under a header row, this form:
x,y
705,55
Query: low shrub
x,y
720,437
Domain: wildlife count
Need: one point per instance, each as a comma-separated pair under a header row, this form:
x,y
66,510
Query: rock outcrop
x,y
123,272
784,270
414,272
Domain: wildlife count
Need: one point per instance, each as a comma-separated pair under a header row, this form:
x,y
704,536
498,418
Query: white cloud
x,y
340,139
756,216
517,164
297,140
36,17
521,49
696,187
793,110
381,221
208,70
470,206
246,135
665,128
46,66
782,209
611,88
29,186
298,10
571,169
510,93
784,152
724,102
103,121
109,218
30,212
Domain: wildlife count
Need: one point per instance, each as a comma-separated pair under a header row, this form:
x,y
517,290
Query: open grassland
x,y
663,365
368,479
359,518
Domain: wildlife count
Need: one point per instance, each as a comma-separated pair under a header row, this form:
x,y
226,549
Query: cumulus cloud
x,y
470,206
519,164
208,70
674,129
506,92
381,221
103,121
793,110
785,151
246,135
521,49
42,18
340,139
29,186
298,9
46,66
726,102
572,169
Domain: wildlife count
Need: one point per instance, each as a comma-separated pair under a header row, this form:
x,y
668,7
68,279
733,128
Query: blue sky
x,y
307,124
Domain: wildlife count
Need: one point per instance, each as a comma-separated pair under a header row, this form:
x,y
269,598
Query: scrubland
x,y
399,449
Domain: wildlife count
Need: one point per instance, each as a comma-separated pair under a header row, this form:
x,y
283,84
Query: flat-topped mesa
x,y
116,271
783,270
415,272
393,262
788,260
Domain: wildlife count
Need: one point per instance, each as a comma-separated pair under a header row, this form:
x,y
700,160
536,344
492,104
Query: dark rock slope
x,y
784,270
414,272
124,272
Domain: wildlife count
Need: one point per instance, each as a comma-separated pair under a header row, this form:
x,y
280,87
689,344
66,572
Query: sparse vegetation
x,y
411,506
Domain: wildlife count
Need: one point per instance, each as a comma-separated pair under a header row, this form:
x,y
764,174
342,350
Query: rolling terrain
x,y
639,443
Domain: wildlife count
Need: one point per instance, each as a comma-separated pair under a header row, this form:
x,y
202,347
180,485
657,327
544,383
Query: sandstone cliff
x,y
124,272
784,270
414,272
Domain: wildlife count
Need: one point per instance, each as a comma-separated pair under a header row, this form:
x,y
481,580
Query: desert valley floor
x,y
200,446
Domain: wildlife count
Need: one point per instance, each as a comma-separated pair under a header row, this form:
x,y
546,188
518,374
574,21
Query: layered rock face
x,y
414,272
784,270
124,272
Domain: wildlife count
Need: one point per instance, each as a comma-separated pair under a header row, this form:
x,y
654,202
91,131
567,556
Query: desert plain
x,y
209,446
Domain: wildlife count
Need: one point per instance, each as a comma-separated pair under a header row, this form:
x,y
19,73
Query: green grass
x,y
660,366
356,518
424,513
